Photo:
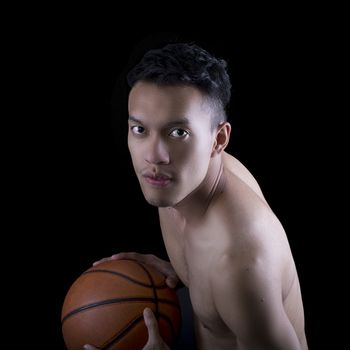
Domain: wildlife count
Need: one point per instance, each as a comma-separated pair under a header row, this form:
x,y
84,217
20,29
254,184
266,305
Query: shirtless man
x,y
223,240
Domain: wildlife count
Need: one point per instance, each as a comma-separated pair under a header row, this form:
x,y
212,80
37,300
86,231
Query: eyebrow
x,y
181,121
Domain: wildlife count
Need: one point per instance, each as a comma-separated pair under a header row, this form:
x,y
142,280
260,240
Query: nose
x,y
156,151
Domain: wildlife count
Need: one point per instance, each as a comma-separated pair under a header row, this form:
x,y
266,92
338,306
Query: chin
x,y
159,203
159,200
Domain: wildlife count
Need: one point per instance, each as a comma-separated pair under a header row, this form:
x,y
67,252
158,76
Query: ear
x,y
222,138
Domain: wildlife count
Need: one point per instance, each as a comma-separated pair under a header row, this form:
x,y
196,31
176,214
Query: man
x,y
223,240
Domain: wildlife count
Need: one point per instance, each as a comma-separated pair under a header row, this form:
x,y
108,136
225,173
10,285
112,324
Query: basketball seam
x,y
155,300
119,335
157,314
172,329
115,301
115,338
152,285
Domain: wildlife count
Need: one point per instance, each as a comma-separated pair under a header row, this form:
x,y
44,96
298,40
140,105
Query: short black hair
x,y
186,64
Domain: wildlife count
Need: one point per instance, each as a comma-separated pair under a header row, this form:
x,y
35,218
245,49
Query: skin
x,y
223,240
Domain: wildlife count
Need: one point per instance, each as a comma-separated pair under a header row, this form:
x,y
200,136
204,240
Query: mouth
x,y
157,180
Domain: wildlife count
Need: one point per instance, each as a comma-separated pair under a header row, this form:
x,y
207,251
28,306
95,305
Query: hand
x,y
171,278
155,341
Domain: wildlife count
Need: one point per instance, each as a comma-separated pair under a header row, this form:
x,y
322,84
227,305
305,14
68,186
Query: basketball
x,y
104,307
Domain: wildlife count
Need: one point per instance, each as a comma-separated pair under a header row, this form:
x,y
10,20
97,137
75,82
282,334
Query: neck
x,y
195,205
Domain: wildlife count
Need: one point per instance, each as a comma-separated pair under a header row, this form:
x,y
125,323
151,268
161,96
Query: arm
x,y
248,298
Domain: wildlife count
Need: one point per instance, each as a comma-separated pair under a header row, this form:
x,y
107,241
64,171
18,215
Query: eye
x,y
179,133
138,130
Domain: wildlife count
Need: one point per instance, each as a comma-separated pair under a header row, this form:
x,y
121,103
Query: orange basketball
x,y
104,307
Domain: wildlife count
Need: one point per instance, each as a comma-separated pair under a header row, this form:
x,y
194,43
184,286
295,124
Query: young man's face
x,y
170,140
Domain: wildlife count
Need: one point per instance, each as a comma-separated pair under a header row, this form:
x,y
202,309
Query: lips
x,y
157,179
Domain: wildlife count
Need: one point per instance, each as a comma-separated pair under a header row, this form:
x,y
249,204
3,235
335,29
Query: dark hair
x,y
186,64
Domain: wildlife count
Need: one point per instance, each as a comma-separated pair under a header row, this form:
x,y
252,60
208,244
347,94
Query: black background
x,y
83,200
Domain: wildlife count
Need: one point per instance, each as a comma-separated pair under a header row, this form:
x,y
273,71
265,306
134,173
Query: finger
x,y
172,281
100,261
127,256
164,267
149,259
143,258
89,347
152,325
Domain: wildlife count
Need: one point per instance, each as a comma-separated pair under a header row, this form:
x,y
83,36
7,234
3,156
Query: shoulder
x,y
254,253
241,194
234,167
246,269
247,296
245,217
250,241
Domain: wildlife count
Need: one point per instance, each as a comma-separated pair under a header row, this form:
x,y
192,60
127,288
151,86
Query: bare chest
x,y
193,263
201,293
211,331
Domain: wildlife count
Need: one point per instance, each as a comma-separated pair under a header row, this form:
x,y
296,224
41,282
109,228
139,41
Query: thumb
x,y
151,324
